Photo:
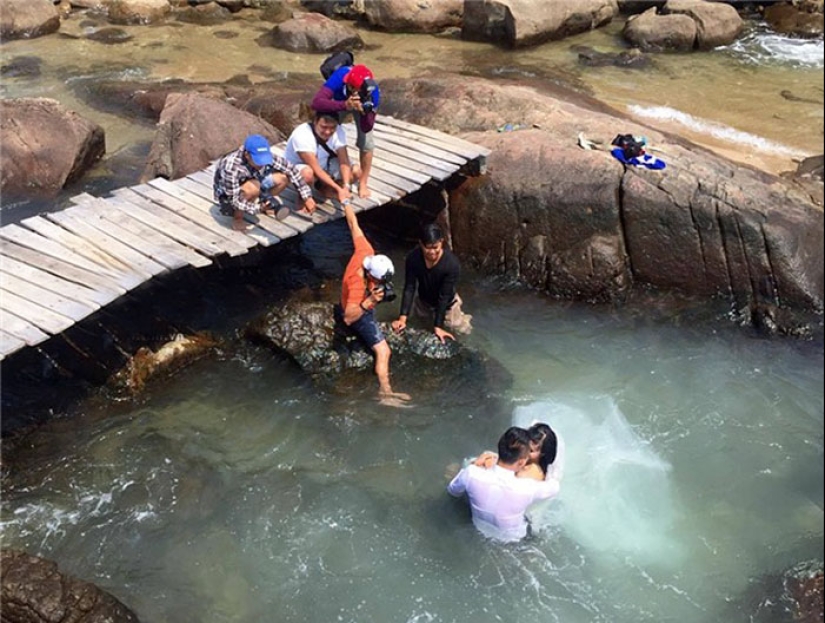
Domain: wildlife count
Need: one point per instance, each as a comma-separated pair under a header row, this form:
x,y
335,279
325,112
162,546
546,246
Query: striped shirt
x,y
233,171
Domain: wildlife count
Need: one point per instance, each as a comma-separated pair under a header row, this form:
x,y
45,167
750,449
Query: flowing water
x,y
238,491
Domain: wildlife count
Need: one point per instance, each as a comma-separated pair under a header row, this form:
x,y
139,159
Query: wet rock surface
x,y
35,591
339,362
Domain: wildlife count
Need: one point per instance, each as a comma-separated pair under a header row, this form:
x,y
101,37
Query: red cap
x,y
356,76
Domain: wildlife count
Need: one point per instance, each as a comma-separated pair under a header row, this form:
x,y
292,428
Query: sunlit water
x,y
240,492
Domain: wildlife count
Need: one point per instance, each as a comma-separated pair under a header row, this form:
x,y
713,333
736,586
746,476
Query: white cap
x,y
379,267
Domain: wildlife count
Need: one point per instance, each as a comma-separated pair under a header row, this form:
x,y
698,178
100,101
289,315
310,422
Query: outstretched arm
x,y
352,221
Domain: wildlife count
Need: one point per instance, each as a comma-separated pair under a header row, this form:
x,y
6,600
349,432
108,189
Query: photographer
x,y
353,89
367,282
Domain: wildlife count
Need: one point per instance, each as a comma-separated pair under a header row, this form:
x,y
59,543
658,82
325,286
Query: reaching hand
x,y
443,335
309,205
399,325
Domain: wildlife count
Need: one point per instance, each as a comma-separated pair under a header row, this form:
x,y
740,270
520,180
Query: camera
x,y
387,288
365,94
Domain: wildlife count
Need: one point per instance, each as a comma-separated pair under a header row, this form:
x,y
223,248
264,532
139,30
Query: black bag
x,y
631,148
336,61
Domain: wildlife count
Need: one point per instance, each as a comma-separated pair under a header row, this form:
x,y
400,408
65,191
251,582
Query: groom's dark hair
x,y
513,445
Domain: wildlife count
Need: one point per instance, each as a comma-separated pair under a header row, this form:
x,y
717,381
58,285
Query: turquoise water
x,y
239,492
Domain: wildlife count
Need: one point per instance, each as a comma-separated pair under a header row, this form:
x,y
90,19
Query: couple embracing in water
x,y
501,487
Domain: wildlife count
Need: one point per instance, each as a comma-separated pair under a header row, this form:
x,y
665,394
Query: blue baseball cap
x,y
258,149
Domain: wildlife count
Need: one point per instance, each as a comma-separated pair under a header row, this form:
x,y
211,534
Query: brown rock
x,y
25,19
45,146
35,591
312,32
194,130
428,16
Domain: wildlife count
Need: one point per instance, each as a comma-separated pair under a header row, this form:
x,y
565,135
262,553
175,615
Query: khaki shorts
x,y
456,320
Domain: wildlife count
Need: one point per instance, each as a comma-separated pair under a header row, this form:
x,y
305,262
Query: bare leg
x,y
382,371
363,180
238,223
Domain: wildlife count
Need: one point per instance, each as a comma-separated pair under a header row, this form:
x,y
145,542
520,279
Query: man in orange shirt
x,y
364,286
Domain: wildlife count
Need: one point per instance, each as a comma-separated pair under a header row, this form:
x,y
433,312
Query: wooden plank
x,y
470,150
404,163
164,221
44,246
22,330
395,136
98,213
70,272
261,235
74,242
9,344
42,318
53,283
419,179
161,200
396,181
282,229
236,243
207,205
50,300
72,219
445,170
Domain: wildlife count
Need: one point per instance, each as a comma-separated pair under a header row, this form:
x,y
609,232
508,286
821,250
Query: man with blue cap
x,y
249,180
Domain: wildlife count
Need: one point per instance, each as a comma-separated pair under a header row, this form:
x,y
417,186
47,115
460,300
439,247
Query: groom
x,y
498,500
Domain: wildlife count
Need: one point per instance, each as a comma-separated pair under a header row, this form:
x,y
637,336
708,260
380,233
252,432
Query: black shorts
x,y
366,327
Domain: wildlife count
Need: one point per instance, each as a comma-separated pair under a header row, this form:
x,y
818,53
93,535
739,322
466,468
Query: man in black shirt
x,y
432,273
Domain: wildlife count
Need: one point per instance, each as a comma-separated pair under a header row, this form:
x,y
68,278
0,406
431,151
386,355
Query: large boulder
x,y
717,24
426,16
304,330
521,23
653,32
194,130
138,11
35,591
313,32
801,19
24,19
579,224
45,146
684,25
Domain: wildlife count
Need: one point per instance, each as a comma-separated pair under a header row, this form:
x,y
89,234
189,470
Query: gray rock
x,y
308,334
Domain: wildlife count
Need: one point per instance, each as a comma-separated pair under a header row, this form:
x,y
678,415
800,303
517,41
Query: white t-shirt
x,y
303,139
498,499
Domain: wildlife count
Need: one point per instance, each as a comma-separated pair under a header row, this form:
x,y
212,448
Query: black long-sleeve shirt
x,y
436,285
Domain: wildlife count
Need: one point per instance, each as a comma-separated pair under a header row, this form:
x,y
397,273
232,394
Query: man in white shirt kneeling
x,y
318,149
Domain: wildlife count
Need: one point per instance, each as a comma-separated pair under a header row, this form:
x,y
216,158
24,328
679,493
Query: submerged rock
x,y
147,364
308,334
421,364
35,591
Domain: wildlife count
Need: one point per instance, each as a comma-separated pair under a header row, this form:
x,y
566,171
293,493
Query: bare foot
x,y
394,399
364,192
240,225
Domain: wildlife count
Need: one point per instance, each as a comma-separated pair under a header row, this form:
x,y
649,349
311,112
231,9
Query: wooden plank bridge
x,y
58,268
